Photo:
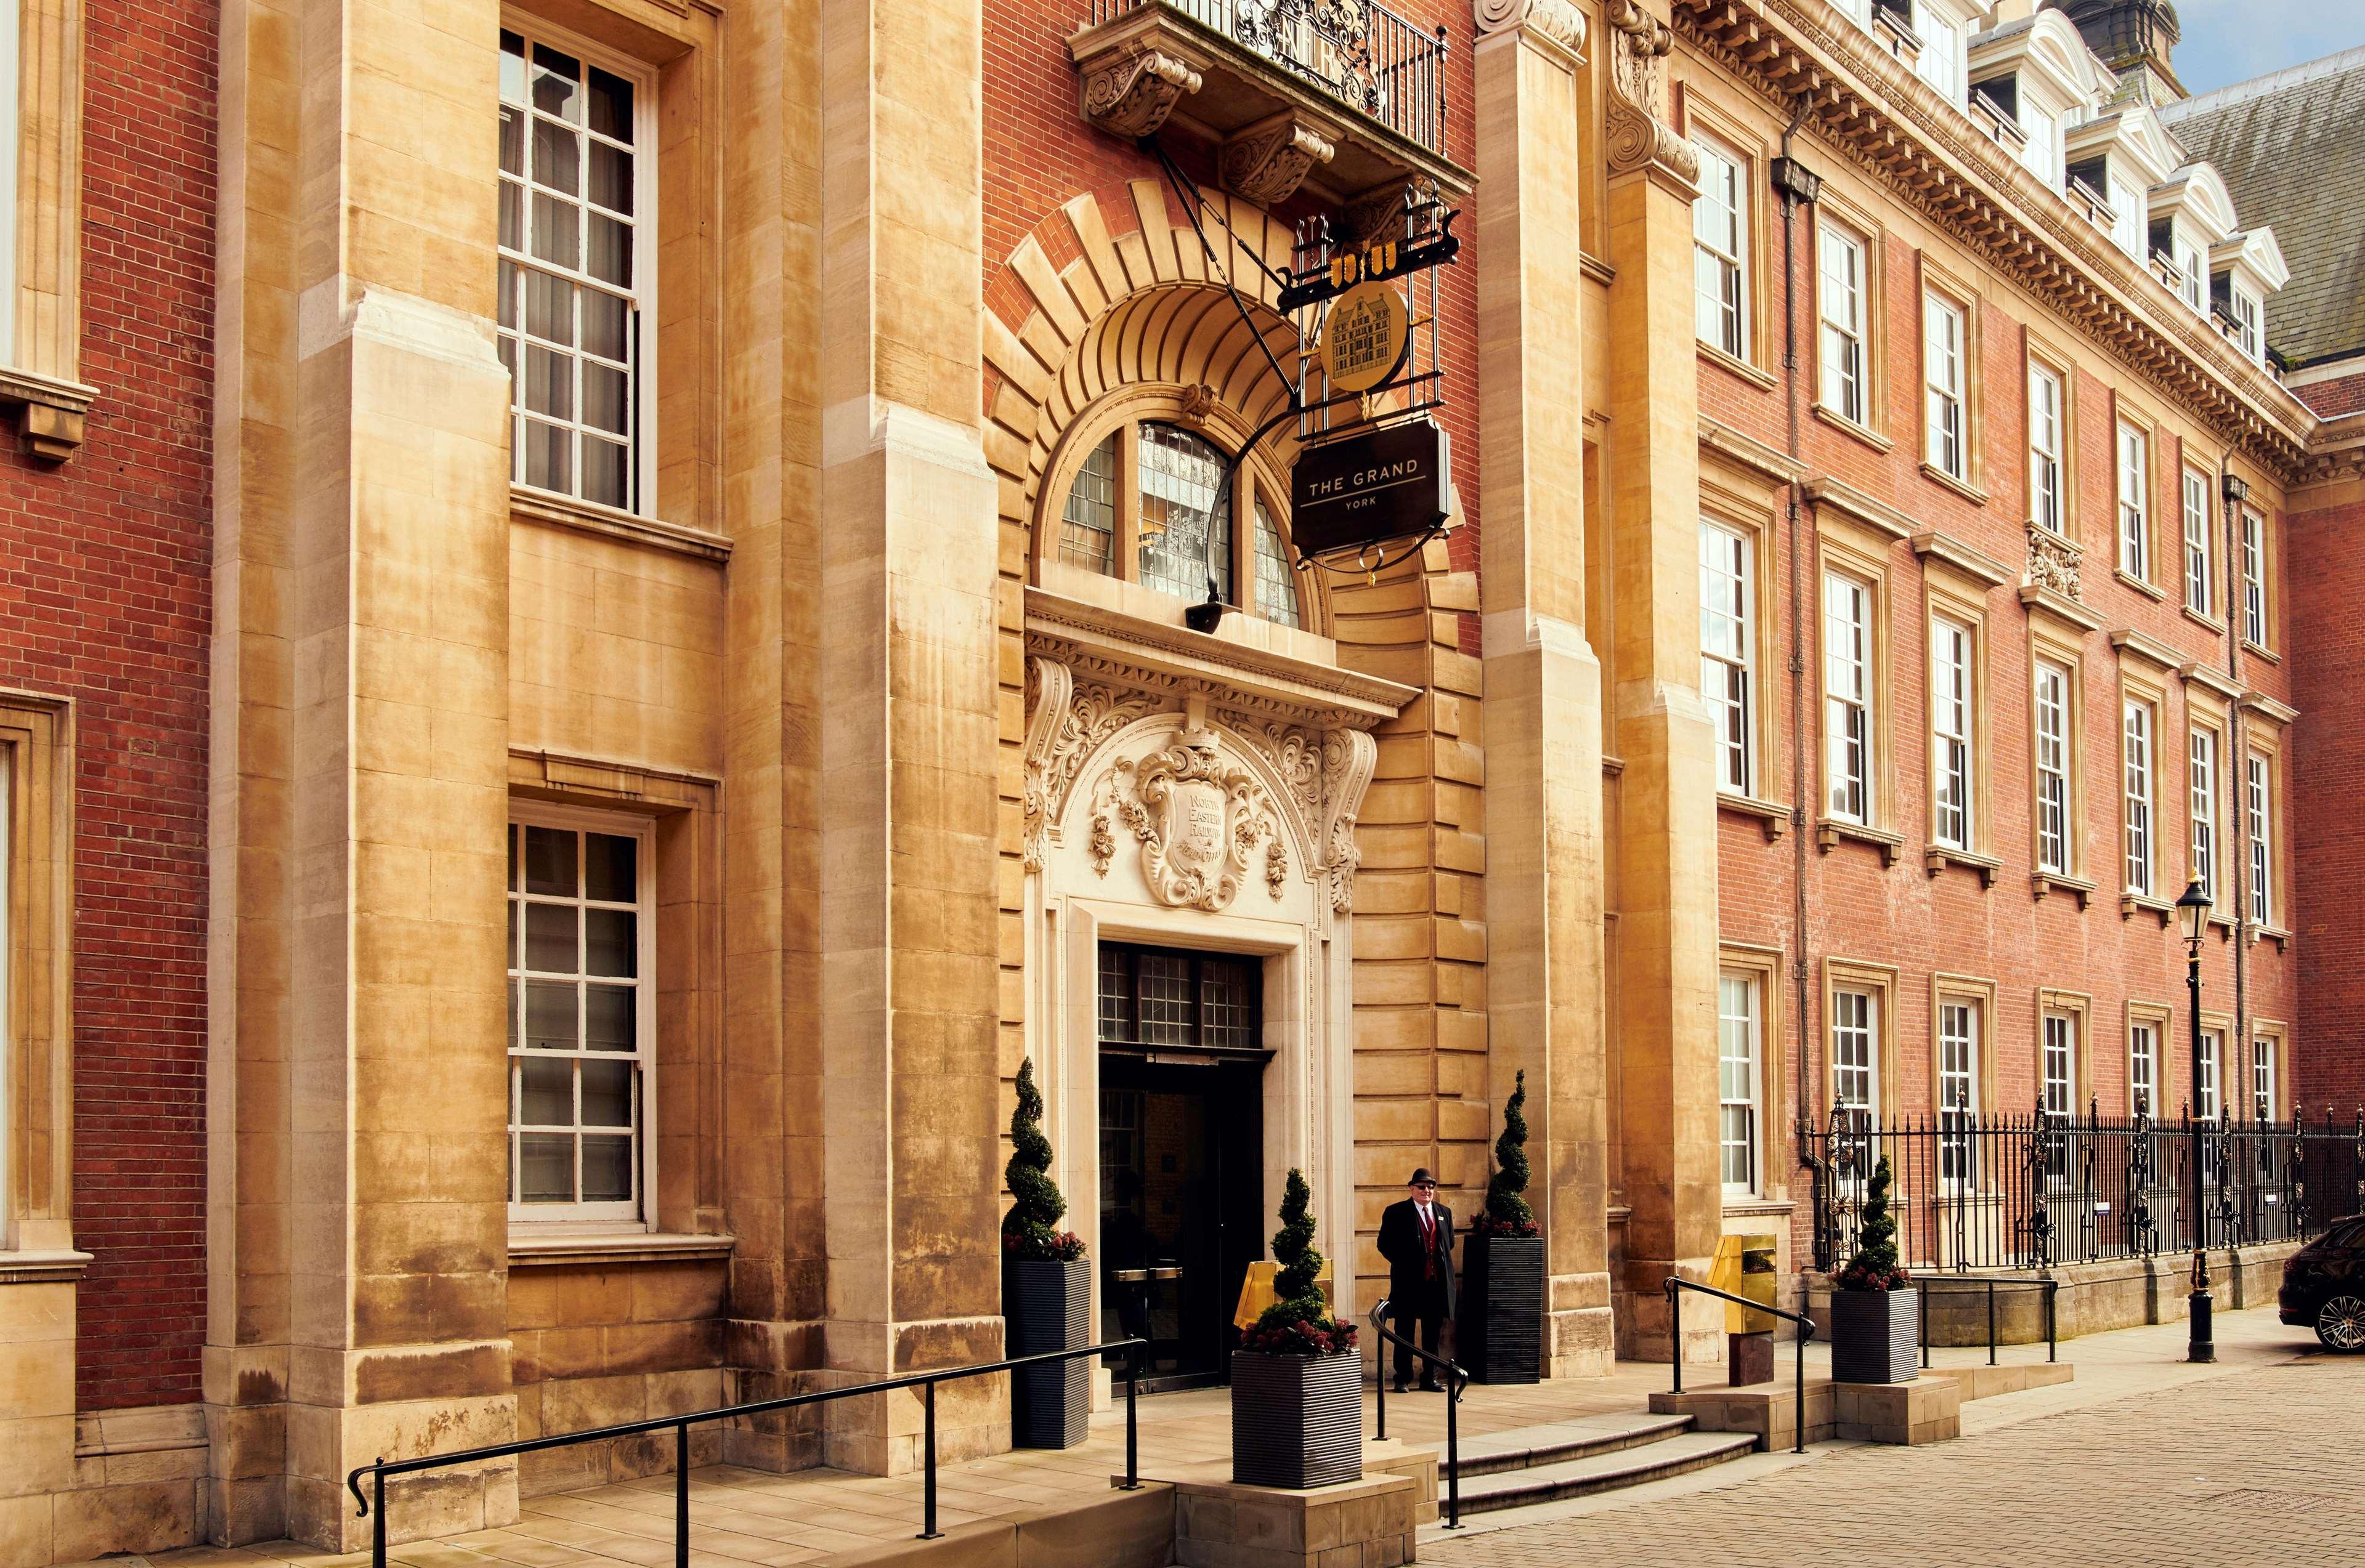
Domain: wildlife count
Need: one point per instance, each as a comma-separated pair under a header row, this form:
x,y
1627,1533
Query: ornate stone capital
x,y
1556,22
1129,91
1638,135
1266,162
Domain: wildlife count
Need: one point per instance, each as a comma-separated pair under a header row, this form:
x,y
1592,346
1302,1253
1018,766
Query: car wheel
x,y
2341,1324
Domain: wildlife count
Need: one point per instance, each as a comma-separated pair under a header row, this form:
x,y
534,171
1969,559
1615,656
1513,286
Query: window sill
x,y
2263,652
1845,426
49,418
1830,830
555,511
2133,904
2199,617
2275,934
1750,1204
1936,858
1758,378
2141,587
1962,487
2044,882
1775,819
42,1266
530,1247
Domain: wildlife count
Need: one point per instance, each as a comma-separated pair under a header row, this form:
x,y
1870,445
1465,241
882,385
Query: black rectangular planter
x,y
1876,1336
1047,1307
1298,1421
1499,1317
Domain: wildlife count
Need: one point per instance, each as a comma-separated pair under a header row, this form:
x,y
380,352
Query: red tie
x,y
1428,1245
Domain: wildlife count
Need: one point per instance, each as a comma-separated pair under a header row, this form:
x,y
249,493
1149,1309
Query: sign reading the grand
x,y
1361,492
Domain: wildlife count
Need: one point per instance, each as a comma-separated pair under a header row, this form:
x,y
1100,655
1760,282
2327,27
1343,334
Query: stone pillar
x,y
1667,841
1543,683
908,730
358,1180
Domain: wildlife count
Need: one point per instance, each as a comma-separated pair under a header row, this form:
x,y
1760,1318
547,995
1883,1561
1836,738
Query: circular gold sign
x,y
1363,338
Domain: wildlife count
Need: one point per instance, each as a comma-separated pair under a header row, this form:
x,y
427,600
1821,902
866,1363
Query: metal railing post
x,y
1132,1431
681,1496
1798,1391
1675,1329
1453,1454
928,1530
2051,1323
1921,1289
377,1522
1991,1361
1380,1375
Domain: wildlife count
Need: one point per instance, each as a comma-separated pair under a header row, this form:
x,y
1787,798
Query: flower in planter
x,y
1298,1323
1874,1267
1506,1213
1037,1205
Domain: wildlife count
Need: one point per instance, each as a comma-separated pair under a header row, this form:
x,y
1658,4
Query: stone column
x,y
358,1180
1667,841
1543,683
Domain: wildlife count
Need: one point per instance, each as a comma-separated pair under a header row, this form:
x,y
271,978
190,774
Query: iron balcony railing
x,y
1359,51
1983,1191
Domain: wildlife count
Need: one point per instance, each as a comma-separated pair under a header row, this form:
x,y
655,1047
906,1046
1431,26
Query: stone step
x,y
1533,1446
1669,1456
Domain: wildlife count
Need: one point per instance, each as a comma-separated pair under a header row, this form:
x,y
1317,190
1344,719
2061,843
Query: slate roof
x,y
2292,146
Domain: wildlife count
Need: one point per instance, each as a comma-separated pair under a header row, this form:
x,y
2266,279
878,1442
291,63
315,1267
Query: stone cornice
x,y
1936,546
1873,109
1556,23
1747,452
2127,640
1850,502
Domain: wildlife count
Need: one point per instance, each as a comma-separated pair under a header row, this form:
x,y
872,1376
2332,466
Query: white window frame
x,y
1721,262
2058,1085
1958,1091
639,1211
2135,502
1942,63
2213,1052
2047,501
1743,1028
1945,328
2254,578
2199,567
1841,291
2042,151
2127,217
1849,762
2250,319
642,318
2192,271
2262,1078
2138,730
1855,1023
1954,722
2201,759
2052,685
1729,652
2258,783
2143,1068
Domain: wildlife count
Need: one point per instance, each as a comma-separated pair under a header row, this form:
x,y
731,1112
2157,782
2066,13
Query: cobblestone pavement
x,y
2263,1466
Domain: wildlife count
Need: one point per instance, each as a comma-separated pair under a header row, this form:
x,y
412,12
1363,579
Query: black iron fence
x,y
1985,1192
1357,51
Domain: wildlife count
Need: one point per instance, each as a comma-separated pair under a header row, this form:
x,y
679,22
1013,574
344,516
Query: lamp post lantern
x,y
2193,911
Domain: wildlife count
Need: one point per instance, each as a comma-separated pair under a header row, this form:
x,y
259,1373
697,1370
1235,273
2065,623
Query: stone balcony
x,y
1342,98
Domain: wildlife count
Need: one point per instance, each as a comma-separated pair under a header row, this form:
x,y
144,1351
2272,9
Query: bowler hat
x,y
1420,1174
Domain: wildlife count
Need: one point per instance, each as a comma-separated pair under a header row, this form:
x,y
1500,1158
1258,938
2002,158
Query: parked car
x,y
2324,1286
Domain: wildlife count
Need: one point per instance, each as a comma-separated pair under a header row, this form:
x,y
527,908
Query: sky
x,y
2232,40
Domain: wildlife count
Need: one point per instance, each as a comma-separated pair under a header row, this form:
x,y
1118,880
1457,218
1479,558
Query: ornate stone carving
x,y
1267,162
1555,20
1130,91
1065,724
1198,817
2053,562
1639,136
1349,758
1197,403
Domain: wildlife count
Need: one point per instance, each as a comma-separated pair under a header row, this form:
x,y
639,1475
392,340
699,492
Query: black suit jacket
x,y
1400,1243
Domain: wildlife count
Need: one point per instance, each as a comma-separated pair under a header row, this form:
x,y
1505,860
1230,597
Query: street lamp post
x,y
2193,910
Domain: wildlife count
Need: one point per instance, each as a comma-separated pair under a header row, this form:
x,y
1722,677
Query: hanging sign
x,y
1388,483
1364,339
1374,263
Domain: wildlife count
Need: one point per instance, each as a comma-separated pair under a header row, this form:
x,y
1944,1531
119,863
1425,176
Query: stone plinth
x,y
1927,1410
1356,1524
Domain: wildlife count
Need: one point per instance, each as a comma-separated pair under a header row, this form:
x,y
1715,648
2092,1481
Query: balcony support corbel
x,y
1267,162
1129,90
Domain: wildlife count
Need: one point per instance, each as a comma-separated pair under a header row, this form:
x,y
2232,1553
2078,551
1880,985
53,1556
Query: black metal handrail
x,y
1677,1284
1457,1378
925,1381
2052,1288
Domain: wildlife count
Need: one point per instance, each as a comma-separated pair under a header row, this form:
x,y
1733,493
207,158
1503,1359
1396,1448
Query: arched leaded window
x,y
1143,502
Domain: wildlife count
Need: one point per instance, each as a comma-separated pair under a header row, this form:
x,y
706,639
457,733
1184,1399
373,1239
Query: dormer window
x,y
2192,272
2249,322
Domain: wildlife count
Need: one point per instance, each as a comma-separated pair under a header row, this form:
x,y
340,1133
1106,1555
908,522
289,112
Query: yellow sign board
x,y
1744,1266
1364,337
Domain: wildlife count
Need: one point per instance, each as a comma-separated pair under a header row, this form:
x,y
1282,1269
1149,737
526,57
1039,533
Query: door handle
x,y
1165,1274
1131,1276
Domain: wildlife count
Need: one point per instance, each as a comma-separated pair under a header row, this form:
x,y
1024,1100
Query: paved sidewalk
x,y
2144,1460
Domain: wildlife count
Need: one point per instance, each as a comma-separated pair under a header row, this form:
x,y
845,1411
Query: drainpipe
x,y
2235,492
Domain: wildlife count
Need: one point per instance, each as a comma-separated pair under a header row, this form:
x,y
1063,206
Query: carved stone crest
x,y
1198,817
2053,562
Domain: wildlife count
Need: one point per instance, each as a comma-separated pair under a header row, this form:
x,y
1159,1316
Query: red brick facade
x,y
104,579
2328,676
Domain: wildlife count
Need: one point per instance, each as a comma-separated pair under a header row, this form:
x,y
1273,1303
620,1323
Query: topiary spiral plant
x,y
1507,1212
1874,1267
1298,1323
1036,1205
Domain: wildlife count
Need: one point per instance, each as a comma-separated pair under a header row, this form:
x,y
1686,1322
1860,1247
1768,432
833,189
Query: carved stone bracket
x,y
1349,758
1065,722
1639,136
1556,22
1266,162
2053,562
1129,91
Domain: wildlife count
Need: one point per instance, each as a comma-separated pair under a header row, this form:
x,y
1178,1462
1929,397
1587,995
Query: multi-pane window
x,y
2259,789
2134,503
2203,797
1738,1048
2051,767
2127,217
1184,498
1951,720
1276,582
2143,1070
1958,1091
2263,1078
2200,589
1720,250
1847,711
1088,527
2044,426
1173,997
579,1033
2042,152
2192,272
2246,315
2060,1085
1727,657
2254,580
1942,374
1160,505
572,211
1856,1053
2207,1107
2138,759
1841,305
1941,60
